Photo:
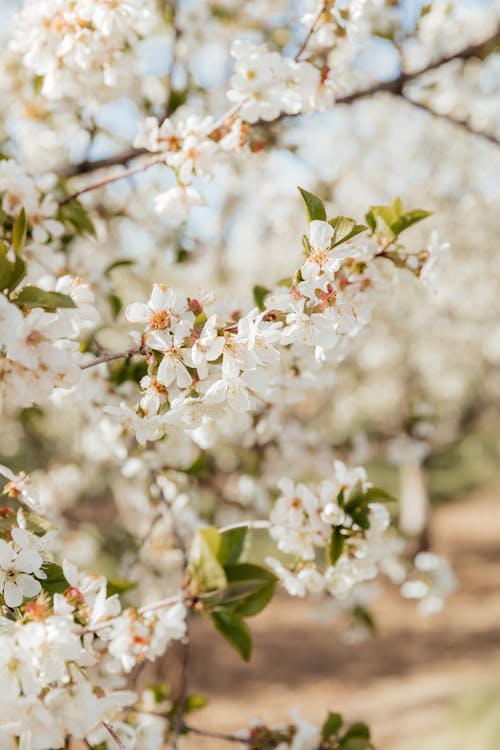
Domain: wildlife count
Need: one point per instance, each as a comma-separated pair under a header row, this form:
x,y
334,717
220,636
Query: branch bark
x,y
394,86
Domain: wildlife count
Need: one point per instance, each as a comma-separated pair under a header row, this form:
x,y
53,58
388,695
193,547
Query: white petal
x,y
320,235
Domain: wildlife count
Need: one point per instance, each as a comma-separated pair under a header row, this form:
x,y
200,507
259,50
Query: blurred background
x,y
417,401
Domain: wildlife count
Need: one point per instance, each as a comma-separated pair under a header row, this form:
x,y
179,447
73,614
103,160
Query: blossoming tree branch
x,y
136,373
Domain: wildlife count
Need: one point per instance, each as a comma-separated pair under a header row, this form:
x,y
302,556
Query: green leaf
x,y
259,294
336,544
204,567
392,220
344,229
363,615
160,690
331,726
115,304
356,743
118,264
75,214
19,231
357,730
361,498
10,273
234,629
408,219
357,737
38,525
315,208
55,583
231,545
263,583
194,702
32,296
119,586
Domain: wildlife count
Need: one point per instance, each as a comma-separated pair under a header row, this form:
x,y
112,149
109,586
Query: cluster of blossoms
x,y
63,653
190,147
65,42
200,368
265,84
335,535
39,347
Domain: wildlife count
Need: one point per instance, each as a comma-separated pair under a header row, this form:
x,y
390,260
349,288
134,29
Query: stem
x,y
394,86
113,178
464,124
311,31
113,735
215,735
109,357
179,718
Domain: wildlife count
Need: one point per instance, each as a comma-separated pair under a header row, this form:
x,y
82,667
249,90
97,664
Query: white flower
x,y
16,583
206,349
145,428
11,319
231,391
166,317
19,485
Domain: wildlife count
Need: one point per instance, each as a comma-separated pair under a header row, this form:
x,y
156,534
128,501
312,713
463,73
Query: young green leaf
x,y
55,583
19,231
331,726
336,544
32,296
204,567
234,629
75,214
231,545
344,229
259,294
315,208
119,586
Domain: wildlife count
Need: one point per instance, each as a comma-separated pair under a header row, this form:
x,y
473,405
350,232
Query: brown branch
x,y
311,31
122,157
113,735
113,178
394,86
109,357
464,124
215,735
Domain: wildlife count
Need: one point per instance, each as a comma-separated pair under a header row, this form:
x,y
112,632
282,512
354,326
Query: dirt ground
x,y
404,682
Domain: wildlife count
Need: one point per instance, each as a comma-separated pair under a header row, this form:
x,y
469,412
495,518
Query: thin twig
x,y
173,63
113,178
215,735
464,124
394,86
109,357
311,31
113,735
178,721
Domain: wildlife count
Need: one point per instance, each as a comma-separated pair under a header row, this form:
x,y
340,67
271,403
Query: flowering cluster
x,y
64,650
266,84
38,333
189,147
200,367
335,535
64,42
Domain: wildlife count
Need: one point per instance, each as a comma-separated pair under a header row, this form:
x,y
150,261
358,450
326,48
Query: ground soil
x,y
403,682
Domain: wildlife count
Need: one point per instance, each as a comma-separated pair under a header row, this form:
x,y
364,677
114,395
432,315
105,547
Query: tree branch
x,y
464,124
311,31
394,86
109,357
